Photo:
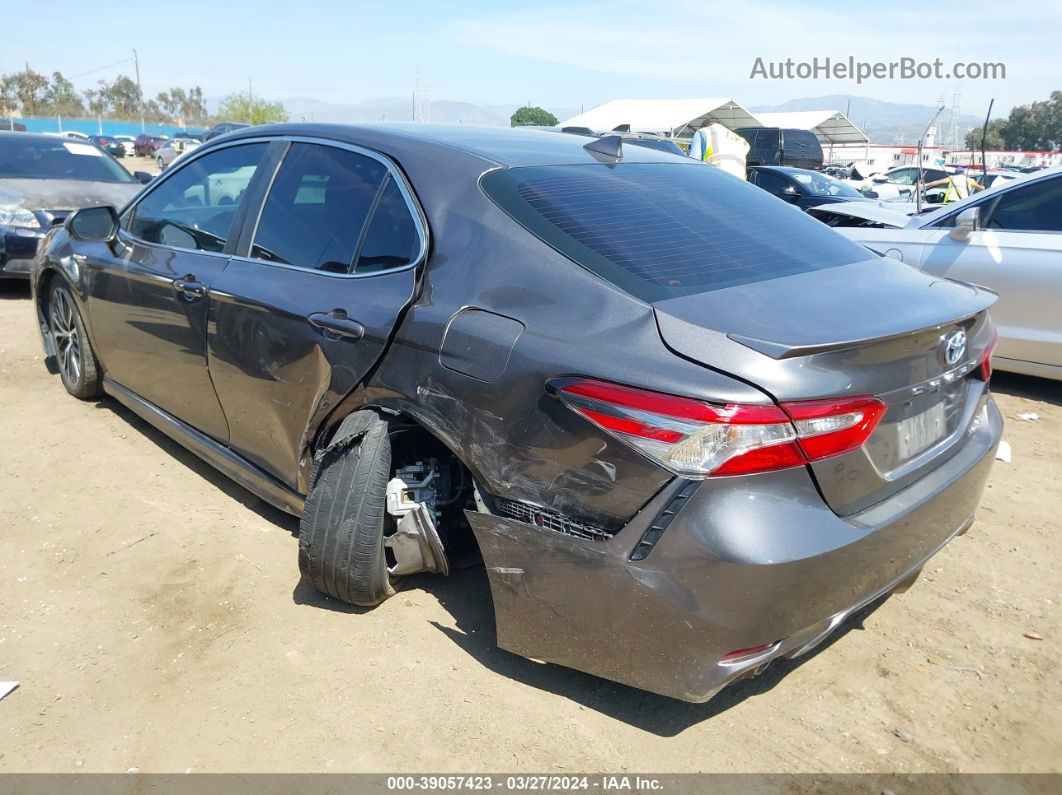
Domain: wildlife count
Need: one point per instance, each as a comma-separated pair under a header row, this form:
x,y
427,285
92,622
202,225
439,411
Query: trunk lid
x,y
871,328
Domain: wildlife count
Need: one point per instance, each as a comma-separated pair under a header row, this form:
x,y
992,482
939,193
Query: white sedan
x,y
1008,239
128,142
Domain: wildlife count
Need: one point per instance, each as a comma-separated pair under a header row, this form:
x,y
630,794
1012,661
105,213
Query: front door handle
x,y
337,322
189,288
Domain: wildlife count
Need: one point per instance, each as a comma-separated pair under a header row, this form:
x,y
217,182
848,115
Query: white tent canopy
x,y
677,117
830,126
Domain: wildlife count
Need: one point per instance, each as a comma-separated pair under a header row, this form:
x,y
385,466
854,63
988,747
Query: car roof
x,y
787,169
507,146
28,136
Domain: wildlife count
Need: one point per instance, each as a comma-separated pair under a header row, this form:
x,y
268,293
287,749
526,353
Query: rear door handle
x,y
189,288
337,323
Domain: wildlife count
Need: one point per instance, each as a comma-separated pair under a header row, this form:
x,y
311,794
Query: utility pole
x,y
139,90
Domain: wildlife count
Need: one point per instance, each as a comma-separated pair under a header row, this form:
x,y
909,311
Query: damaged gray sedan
x,y
688,428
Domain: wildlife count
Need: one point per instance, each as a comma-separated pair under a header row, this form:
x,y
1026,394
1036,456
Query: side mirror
x,y
143,177
879,178
790,194
93,224
966,222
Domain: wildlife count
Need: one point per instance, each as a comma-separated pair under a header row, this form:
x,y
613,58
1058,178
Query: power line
x,y
100,69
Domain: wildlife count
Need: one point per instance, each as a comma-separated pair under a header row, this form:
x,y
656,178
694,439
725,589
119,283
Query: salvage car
x,y
109,144
689,429
147,144
222,128
174,149
802,187
42,180
899,181
128,143
1008,238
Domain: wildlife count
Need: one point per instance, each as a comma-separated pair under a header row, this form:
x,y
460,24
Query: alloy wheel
x,y
67,340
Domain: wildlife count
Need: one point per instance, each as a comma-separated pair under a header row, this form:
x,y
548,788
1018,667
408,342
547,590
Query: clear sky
x,y
555,54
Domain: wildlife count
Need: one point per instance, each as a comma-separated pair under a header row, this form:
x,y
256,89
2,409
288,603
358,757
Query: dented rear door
x,y
304,313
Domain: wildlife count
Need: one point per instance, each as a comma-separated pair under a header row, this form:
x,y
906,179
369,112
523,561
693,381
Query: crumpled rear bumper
x,y
748,561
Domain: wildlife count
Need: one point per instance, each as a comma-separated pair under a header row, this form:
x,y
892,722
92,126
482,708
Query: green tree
x,y
529,115
123,98
250,110
169,102
193,107
24,92
993,136
61,98
180,106
96,102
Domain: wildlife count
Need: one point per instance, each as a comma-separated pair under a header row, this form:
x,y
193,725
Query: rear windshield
x,y
664,230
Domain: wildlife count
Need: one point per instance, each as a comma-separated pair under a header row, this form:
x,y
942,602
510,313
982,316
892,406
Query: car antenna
x,y
609,145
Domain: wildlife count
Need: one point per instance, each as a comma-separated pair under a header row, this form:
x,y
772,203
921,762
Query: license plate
x,y
921,431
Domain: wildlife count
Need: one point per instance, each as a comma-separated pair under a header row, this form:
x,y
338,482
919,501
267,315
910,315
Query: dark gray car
x,y
689,428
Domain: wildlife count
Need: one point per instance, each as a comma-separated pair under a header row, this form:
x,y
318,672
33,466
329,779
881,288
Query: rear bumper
x,y
748,561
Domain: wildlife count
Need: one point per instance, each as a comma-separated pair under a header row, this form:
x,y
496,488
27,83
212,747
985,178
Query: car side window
x,y
767,144
392,239
1032,208
195,207
317,208
772,183
904,176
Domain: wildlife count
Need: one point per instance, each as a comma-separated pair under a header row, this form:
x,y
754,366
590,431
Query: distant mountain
x,y
883,122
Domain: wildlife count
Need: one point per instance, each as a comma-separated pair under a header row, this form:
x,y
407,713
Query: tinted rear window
x,y
662,230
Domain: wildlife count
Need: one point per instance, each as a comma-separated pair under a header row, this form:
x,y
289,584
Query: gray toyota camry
x,y
688,428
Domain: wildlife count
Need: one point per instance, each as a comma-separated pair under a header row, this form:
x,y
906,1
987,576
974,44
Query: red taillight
x,y
831,427
698,439
986,356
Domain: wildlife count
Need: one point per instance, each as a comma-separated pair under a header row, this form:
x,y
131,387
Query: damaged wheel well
x,y
419,456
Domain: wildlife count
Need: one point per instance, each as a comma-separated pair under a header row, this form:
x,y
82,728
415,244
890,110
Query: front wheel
x,y
342,532
77,363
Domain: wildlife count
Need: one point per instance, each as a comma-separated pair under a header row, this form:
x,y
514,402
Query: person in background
x,y
718,146
960,185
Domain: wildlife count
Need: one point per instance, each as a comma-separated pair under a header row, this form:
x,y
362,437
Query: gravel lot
x,y
152,611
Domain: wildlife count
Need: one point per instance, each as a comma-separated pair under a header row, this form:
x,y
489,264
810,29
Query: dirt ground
x,y
152,612
133,163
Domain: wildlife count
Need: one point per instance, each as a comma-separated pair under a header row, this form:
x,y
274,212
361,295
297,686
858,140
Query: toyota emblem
x,y
955,347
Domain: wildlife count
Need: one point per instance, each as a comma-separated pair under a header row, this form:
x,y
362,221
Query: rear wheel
x,y
77,363
341,533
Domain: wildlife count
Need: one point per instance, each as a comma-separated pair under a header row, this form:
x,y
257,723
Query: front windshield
x,y
823,185
34,158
